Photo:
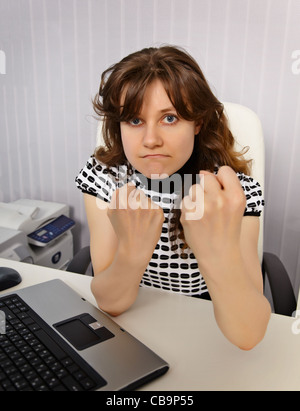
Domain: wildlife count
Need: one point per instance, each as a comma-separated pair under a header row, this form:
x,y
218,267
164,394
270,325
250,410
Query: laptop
x,y
52,339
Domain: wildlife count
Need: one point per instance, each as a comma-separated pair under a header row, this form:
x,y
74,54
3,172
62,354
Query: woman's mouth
x,y
153,156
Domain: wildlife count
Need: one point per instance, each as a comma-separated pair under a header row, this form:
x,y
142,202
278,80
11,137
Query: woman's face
x,y
158,143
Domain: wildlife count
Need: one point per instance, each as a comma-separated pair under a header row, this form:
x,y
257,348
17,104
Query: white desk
x,y
183,331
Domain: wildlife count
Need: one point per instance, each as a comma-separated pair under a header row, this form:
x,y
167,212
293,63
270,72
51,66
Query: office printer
x,y
37,232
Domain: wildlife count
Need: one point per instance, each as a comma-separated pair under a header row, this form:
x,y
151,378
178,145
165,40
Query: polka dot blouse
x,y
169,269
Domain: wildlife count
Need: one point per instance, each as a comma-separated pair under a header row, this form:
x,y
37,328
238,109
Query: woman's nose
x,y
152,137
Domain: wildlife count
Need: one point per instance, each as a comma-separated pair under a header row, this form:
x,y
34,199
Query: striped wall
x,y
52,53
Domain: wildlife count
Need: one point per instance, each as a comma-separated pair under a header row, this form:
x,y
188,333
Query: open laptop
x,y
56,340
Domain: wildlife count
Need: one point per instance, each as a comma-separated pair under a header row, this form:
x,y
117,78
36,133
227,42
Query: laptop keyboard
x,y
34,358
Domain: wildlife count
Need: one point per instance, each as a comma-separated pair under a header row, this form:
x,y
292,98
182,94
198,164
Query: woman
x,y
152,222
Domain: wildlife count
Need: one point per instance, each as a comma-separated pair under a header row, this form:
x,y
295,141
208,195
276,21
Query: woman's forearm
x,y
241,310
115,288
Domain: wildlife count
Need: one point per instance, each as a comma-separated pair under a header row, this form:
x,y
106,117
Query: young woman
x,y
152,221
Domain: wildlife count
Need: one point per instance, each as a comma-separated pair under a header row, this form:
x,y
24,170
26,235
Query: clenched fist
x,y
137,221
212,215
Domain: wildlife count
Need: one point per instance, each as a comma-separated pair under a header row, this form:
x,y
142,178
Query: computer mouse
x,y
9,278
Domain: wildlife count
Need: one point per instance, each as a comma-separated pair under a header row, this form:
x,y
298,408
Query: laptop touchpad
x,y
83,331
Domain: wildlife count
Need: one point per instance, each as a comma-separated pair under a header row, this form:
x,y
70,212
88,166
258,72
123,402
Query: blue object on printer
x,y
51,231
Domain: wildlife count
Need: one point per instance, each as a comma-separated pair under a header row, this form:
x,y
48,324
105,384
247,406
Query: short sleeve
x,y
96,179
254,195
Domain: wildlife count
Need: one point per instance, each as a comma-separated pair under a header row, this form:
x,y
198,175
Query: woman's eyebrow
x,y
165,110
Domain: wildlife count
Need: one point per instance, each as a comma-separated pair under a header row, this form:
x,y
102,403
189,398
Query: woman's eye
x,y
170,119
135,122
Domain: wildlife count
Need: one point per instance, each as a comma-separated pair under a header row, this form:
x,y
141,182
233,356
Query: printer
x,y
37,232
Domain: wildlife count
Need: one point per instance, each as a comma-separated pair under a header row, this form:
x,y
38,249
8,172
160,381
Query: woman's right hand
x,y
136,220
123,235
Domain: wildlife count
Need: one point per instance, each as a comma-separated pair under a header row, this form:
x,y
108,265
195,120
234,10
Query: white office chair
x,y
247,131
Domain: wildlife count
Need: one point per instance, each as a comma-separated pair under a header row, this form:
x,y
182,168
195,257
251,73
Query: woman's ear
x,y
198,127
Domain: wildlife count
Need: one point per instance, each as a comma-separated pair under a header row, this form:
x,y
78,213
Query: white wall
x,y
55,51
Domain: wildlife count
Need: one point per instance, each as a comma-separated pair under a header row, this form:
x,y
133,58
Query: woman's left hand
x,y
211,216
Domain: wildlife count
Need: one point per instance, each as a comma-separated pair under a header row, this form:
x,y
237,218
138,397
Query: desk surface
x,y
183,331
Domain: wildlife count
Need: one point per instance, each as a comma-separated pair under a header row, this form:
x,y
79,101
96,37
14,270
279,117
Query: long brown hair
x,y
189,93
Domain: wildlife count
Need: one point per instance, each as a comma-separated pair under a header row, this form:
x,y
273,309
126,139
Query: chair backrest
x,y
247,131
99,138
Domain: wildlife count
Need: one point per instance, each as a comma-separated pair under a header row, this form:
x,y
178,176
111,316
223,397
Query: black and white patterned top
x,y
169,269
